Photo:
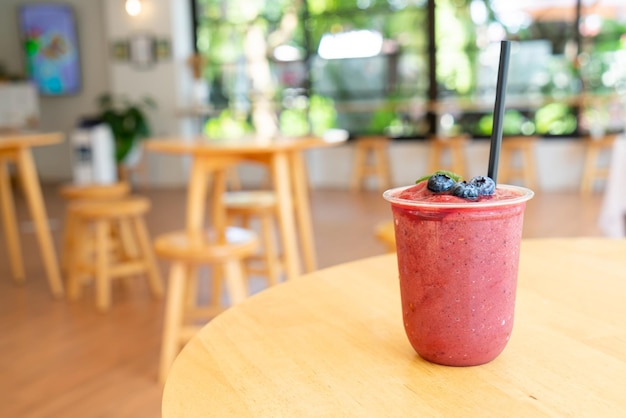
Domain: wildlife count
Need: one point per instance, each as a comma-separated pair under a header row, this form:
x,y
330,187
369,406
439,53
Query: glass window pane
x,y
363,65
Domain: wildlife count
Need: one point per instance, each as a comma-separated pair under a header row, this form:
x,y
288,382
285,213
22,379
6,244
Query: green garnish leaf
x,y
450,174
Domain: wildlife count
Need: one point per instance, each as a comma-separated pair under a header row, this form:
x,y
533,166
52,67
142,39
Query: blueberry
x,y
439,183
486,186
465,190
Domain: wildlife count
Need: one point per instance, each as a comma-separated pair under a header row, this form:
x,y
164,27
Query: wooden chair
x,y
92,255
591,170
454,147
371,159
384,232
186,253
524,148
242,208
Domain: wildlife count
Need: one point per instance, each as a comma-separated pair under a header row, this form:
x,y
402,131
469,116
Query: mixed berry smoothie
x,y
458,262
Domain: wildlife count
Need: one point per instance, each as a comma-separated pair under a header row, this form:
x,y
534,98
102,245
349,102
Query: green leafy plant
x,y
127,120
229,124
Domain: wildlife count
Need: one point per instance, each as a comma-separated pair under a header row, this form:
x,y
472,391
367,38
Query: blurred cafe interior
x,y
108,109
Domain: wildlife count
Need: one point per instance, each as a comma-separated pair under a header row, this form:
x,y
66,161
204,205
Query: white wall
x,y
167,82
101,22
61,113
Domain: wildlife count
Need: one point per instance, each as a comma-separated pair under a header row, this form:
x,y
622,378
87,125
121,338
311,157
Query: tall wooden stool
x,y
591,171
92,222
454,146
371,159
242,207
524,148
186,253
73,193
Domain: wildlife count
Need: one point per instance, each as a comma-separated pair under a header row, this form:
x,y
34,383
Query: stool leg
x,y
269,248
384,170
586,186
103,285
458,158
435,158
127,241
192,286
244,222
67,234
77,255
358,171
505,166
154,276
174,312
232,179
235,281
9,222
32,191
216,285
529,169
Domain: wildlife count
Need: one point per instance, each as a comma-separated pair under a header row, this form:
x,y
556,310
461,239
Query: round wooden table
x,y
332,344
283,156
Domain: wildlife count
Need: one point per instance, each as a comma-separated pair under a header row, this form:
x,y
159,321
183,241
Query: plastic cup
x,y
458,265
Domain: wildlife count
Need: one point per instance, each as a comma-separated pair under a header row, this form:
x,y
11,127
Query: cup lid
x,y
517,195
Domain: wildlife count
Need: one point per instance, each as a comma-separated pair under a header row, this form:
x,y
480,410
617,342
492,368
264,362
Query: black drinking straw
x,y
498,111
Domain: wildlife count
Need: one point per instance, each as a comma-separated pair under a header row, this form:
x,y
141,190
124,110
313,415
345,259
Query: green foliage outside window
x,y
398,76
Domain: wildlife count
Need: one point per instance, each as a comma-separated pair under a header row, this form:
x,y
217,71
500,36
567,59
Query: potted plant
x,y
128,122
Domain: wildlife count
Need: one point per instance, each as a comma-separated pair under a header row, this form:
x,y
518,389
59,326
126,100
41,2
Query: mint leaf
x,y
450,174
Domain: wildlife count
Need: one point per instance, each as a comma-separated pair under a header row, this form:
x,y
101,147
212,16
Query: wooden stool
x,y
185,254
91,223
95,191
98,192
371,159
524,147
241,208
454,146
385,233
591,170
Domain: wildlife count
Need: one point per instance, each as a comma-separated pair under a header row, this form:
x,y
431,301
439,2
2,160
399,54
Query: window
x,y
363,65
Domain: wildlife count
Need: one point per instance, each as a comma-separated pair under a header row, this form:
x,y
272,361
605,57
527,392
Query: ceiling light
x,y
133,7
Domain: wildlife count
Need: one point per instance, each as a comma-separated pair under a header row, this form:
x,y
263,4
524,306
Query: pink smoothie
x,y
458,262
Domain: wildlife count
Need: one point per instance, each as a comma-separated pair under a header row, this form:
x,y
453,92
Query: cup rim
x,y
526,194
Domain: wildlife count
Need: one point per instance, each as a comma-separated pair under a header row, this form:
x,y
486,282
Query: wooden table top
x,y
244,145
332,344
21,139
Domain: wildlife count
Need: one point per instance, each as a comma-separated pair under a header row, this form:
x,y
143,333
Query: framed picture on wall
x,y
50,46
141,48
119,50
163,49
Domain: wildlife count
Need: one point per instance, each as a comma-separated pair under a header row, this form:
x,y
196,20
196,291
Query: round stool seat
x,y
180,246
108,209
95,191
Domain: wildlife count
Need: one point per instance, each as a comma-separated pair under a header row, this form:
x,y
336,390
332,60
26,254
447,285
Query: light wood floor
x,y
60,359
